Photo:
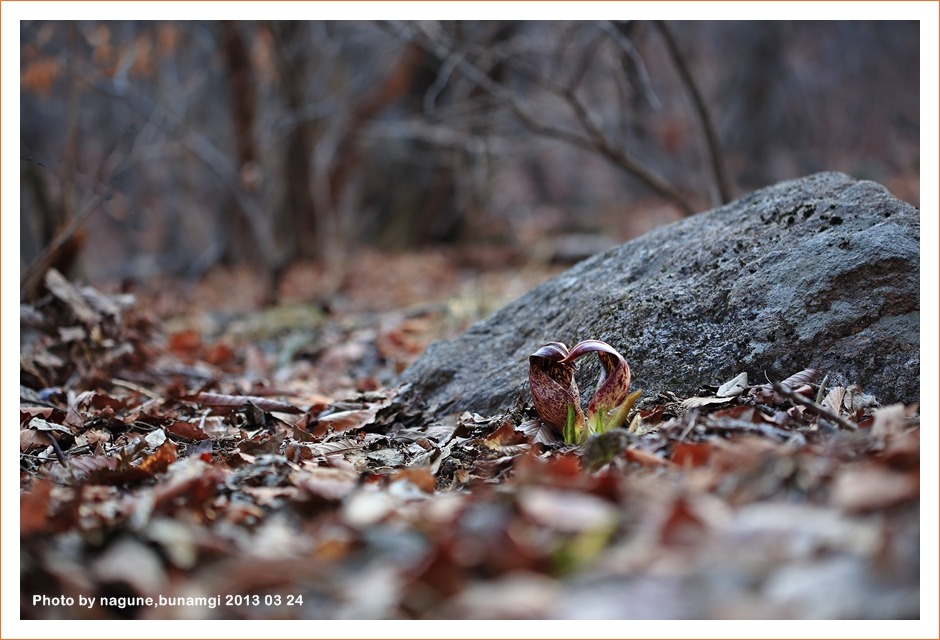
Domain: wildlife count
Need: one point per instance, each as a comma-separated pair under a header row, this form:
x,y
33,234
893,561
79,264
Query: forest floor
x,y
184,455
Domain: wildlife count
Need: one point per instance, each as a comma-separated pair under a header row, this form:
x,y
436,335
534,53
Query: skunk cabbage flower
x,y
554,391
612,400
613,387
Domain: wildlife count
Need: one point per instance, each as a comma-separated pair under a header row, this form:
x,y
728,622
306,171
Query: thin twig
x,y
619,36
600,144
582,66
711,138
818,409
740,425
60,455
593,138
58,450
448,66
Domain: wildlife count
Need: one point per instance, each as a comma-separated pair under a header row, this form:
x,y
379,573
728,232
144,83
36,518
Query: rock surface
x,y
819,272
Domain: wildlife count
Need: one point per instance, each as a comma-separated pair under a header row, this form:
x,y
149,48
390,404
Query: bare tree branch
x,y
618,35
594,140
818,409
602,145
711,139
213,158
589,50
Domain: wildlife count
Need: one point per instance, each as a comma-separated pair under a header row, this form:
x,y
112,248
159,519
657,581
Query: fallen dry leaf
x,y
867,486
566,511
33,508
694,454
364,508
224,401
646,458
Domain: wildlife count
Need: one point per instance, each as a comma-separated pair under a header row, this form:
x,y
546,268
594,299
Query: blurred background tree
x,y
171,148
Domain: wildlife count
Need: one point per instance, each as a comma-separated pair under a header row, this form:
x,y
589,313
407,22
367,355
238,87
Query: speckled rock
x,y
819,272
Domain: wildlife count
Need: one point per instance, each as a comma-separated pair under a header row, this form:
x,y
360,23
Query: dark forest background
x,y
174,148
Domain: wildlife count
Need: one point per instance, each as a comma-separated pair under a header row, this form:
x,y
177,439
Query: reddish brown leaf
x,y
104,469
744,413
298,453
562,469
260,444
344,421
691,454
682,527
795,413
192,482
219,353
502,436
33,507
421,477
186,343
188,431
98,400
86,465
163,457
646,459
74,418
440,575
43,412
652,416
567,465
742,453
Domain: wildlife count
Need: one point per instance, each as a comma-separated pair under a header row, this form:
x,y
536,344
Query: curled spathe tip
x,y
605,352
614,384
551,350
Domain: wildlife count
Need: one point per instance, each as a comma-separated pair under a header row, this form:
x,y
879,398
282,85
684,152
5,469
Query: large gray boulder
x,y
819,272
